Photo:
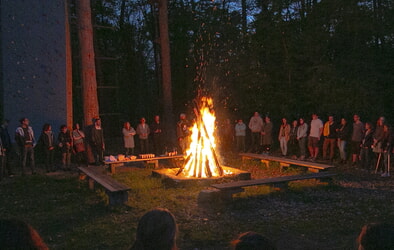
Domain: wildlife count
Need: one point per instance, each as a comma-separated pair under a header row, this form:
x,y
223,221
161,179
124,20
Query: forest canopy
x,y
285,58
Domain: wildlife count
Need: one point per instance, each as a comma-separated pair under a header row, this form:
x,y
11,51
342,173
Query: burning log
x,y
197,111
201,160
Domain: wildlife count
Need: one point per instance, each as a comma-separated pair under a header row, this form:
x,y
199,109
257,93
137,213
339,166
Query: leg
x,y
325,146
32,162
332,149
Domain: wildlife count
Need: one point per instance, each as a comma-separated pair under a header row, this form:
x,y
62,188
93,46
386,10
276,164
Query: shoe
x,y
385,175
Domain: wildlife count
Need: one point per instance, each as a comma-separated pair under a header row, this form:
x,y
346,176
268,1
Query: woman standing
x,y
78,137
293,143
366,147
343,133
284,136
302,138
128,138
65,145
48,142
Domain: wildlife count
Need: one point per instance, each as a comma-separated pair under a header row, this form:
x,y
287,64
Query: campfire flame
x,y
201,159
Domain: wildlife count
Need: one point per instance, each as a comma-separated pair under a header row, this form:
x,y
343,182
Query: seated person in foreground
x,y
157,229
15,234
252,241
376,236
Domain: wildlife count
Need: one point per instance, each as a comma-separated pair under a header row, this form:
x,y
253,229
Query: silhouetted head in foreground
x,y
252,241
15,234
376,236
157,229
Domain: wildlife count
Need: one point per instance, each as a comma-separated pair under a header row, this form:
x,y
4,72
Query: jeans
x,y
240,140
25,153
365,158
329,143
342,149
283,145
302,145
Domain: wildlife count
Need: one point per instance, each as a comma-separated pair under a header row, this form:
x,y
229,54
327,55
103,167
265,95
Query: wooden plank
x,y
106,181
287,161
146,159
265,181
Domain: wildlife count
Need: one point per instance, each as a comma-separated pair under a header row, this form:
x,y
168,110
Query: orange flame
x,y
201,159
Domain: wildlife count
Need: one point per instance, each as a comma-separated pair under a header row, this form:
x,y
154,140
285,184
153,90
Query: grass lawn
x,y
309,215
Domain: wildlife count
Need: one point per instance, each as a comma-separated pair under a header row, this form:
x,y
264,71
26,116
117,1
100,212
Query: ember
x,y
201,159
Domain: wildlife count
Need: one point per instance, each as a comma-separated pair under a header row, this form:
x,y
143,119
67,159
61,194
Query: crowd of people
x,y
365,145
68,143
157,230
370,145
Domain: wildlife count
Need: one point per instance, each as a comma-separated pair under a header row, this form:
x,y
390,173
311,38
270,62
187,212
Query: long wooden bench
x,y
117,192
285,162
225,191
155,160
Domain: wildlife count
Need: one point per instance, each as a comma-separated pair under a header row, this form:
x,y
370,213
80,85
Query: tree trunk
x,y
69,81
88,69
166,71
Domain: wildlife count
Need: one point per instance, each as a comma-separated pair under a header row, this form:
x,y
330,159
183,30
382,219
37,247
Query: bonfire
x,y
201,158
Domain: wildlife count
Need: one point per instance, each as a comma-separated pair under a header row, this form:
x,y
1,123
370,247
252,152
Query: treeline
x,y
284,58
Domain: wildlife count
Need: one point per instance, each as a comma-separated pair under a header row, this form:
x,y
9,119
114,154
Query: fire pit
x,y
201,160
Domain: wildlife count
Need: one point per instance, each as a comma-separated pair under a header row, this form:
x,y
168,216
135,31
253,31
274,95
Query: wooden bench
x,y
285,162
117,192
155,160
225,191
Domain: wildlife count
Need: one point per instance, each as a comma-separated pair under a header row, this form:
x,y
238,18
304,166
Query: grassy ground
x,y
310,215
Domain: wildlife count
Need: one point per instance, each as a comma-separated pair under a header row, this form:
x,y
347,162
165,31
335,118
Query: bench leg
x,y
91,183
283,165
281,185
266,162
117,198
314,170
244,158
155,163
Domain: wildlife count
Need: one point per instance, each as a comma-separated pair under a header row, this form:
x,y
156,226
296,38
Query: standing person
x,y
386,150
97,141
24,137
343,132
182,132
293,143
128,138
240,134
156,129
330,137
267,135
357,136
256,126
47,141
7,146
366,147
378,137
302,137
78,137
65,144
314,136
143,132
284,136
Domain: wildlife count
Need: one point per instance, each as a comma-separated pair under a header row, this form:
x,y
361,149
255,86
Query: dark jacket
x,y
367,141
